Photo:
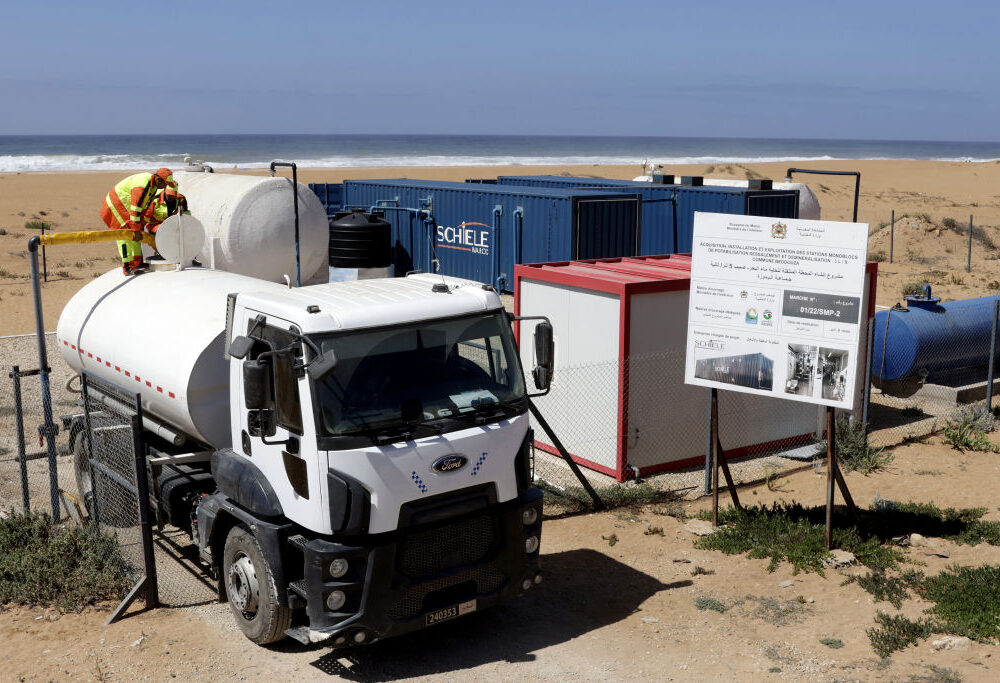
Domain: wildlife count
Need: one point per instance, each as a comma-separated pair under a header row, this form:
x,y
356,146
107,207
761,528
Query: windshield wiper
x,y
400,432
495,409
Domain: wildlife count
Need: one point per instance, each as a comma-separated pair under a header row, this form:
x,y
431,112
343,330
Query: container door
x,y
405,239
606,228
773,204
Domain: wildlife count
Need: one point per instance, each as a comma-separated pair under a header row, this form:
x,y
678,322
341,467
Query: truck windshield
x,y
418,373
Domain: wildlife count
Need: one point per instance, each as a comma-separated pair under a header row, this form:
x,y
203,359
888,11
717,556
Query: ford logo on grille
x,y
450,463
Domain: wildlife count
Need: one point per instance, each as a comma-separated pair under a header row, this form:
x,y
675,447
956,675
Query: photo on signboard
x,y
752,370
833,369
801,374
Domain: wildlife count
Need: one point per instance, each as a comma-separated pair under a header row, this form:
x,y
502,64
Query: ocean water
x,y
122,152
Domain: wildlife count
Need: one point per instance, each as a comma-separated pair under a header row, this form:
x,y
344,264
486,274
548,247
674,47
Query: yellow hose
x,y
86,236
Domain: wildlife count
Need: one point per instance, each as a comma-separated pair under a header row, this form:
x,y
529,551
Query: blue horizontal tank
x,y
480,231
931,338
668,210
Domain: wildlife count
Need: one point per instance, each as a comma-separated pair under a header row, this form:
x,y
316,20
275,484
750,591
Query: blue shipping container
x,y
479,231
669,209
330,196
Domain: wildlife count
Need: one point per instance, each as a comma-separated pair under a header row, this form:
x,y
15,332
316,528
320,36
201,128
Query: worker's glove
x,y
133,226
137,236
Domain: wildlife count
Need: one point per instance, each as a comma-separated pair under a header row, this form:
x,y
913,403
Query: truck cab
x,y
379,474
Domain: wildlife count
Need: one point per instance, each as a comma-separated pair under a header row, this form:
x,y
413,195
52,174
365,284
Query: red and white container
x,y
618,400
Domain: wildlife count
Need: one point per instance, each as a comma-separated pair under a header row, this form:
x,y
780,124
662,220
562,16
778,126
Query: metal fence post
x,y
142,496
708,448
868,374
892,233
48,429
993,354
22,460
968,263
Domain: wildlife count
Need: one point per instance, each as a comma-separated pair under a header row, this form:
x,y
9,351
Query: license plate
x,y
447,613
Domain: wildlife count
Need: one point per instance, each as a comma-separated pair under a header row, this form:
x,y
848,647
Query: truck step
x,y
298,541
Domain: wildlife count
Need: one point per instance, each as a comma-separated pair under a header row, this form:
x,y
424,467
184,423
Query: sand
x,y
925,249
621,612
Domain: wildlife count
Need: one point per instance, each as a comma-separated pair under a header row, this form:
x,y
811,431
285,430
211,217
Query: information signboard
x,y
776,307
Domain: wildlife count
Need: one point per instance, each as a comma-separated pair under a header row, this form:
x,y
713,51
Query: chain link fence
x,y
93,477
924,382
26,482
638,421
114,480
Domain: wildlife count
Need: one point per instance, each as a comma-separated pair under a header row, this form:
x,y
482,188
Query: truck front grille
x,y
436,550
450,591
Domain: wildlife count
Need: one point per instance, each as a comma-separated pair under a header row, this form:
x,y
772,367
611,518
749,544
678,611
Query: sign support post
x,y
719,459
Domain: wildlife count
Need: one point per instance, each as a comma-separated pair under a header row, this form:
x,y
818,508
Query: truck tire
x,y
251,590
81,472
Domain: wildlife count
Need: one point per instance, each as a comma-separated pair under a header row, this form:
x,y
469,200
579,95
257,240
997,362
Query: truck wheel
x,y
251,590
81,472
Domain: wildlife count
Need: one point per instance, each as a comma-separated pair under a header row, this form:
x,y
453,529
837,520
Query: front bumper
x,y
474,561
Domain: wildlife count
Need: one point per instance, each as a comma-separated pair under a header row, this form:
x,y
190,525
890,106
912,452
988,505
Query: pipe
x,y
857,182
295,200
90,236
499,279
519,226
150,424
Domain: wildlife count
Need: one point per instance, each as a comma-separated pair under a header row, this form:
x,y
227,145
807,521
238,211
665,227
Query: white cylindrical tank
x,y
250,225
808,203
161,334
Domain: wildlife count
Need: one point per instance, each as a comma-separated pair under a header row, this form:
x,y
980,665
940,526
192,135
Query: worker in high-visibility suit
x,y
168,203
126,208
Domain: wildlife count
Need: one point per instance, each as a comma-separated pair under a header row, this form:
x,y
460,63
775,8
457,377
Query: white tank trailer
x,y
348,456
250,227
175,358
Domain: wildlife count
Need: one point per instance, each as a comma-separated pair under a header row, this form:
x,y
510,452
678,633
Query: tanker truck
x,y
352,460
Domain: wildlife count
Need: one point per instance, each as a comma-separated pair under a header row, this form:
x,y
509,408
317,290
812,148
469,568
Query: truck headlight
x,y
338,567
335,600
531,544
529,516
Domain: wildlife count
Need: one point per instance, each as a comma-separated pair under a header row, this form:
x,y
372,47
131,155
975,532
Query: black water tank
x,y
359,240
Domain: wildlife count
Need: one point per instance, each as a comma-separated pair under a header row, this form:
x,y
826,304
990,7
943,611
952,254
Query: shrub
x,y
895,633
854,453
37,225
878,256
967,432
950,223
712,604
966,601
914,288
792,533
62,565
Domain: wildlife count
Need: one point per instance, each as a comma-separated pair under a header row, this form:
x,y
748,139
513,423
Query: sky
x,y
863,70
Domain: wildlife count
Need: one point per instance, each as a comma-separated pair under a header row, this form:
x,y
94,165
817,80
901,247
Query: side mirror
x,y
322,366
544,355
240,347
256,384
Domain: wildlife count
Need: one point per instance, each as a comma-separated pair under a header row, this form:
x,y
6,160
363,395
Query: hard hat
x,y
167,175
